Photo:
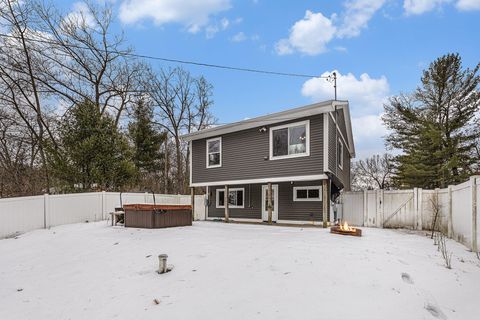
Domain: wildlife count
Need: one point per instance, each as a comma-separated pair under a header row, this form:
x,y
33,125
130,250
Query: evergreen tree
x,y
94,154
147,142
433,127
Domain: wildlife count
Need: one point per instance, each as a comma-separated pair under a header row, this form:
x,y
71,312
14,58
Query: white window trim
x,y
217,198
294,124
206,151
340,160
319,188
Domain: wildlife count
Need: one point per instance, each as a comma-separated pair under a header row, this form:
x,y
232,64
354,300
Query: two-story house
x,y
294,160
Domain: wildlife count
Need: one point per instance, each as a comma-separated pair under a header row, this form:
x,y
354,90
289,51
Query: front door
x,y
274,202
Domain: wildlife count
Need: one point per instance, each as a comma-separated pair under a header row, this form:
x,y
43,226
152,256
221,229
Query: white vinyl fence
x,y
23,214
457,209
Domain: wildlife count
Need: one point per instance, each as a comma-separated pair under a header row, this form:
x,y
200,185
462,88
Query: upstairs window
x,y
214,152
340,154
310,193
236,197
290,140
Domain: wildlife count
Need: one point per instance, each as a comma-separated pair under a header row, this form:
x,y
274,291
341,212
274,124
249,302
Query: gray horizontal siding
x,y
244,153
332,147
341,123
342,174
287,208
253,202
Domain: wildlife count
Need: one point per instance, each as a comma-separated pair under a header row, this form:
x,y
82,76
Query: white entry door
x,y
274,202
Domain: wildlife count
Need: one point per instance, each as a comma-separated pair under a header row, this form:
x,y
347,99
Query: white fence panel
x,y
461,213
352,210
457,214
371,214
398,208
132,198
74,208
23,214
19,215
427,212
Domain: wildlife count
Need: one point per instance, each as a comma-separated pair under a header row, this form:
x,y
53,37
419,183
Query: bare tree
x,y
181,105
85,61
374,172
19,66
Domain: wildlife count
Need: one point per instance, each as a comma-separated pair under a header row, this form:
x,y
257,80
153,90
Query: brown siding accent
x,y
244,153
287,208
150,216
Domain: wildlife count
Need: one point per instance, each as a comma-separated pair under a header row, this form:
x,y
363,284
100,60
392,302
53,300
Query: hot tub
x,y
157,216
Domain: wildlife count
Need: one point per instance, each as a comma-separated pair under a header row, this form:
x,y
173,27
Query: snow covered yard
x,y
231,271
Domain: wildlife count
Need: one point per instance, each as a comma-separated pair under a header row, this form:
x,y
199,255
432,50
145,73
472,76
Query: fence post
x,y
365,208
473,186
449,213
104,200
420,209
380,213
46,209
415,208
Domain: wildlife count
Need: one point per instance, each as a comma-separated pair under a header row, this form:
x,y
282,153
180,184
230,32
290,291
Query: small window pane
x,y
298,140
231,198
302,194
221,198
266,199
313,193
239,198
214,146
280,142
213,159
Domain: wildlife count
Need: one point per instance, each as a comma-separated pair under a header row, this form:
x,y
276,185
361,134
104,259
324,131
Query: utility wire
x,y
188,62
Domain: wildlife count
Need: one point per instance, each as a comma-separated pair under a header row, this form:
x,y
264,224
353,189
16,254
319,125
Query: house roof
x,y
286,115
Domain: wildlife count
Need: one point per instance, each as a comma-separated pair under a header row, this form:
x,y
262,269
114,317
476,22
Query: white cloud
x,y
80,14
239,37
466,5
368,134
212,29
309,35
191,13
366,96
356,16
415,7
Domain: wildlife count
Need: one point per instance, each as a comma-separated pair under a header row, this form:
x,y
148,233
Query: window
x,y
214,153
236,198
310,193
291,140
340,154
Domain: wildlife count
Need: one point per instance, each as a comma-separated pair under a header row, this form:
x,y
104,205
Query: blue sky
x,y
379,48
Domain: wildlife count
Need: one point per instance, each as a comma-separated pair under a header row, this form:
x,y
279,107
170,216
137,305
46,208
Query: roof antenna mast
x,y
333,78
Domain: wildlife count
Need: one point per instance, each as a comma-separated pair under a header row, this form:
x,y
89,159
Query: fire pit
x,y
346,230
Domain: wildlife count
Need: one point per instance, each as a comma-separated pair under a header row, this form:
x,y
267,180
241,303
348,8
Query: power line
x,y
188,62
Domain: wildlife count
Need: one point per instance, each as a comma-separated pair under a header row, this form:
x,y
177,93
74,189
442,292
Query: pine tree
x,y
94,154
433,127
147,142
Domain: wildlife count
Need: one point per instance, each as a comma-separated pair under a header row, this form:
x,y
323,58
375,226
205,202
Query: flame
x,y
346,227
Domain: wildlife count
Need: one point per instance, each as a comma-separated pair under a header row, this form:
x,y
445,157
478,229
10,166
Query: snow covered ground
x,y
231,271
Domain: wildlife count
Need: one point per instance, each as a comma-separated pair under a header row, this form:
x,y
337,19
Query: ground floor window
x,y
309,193
236,198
